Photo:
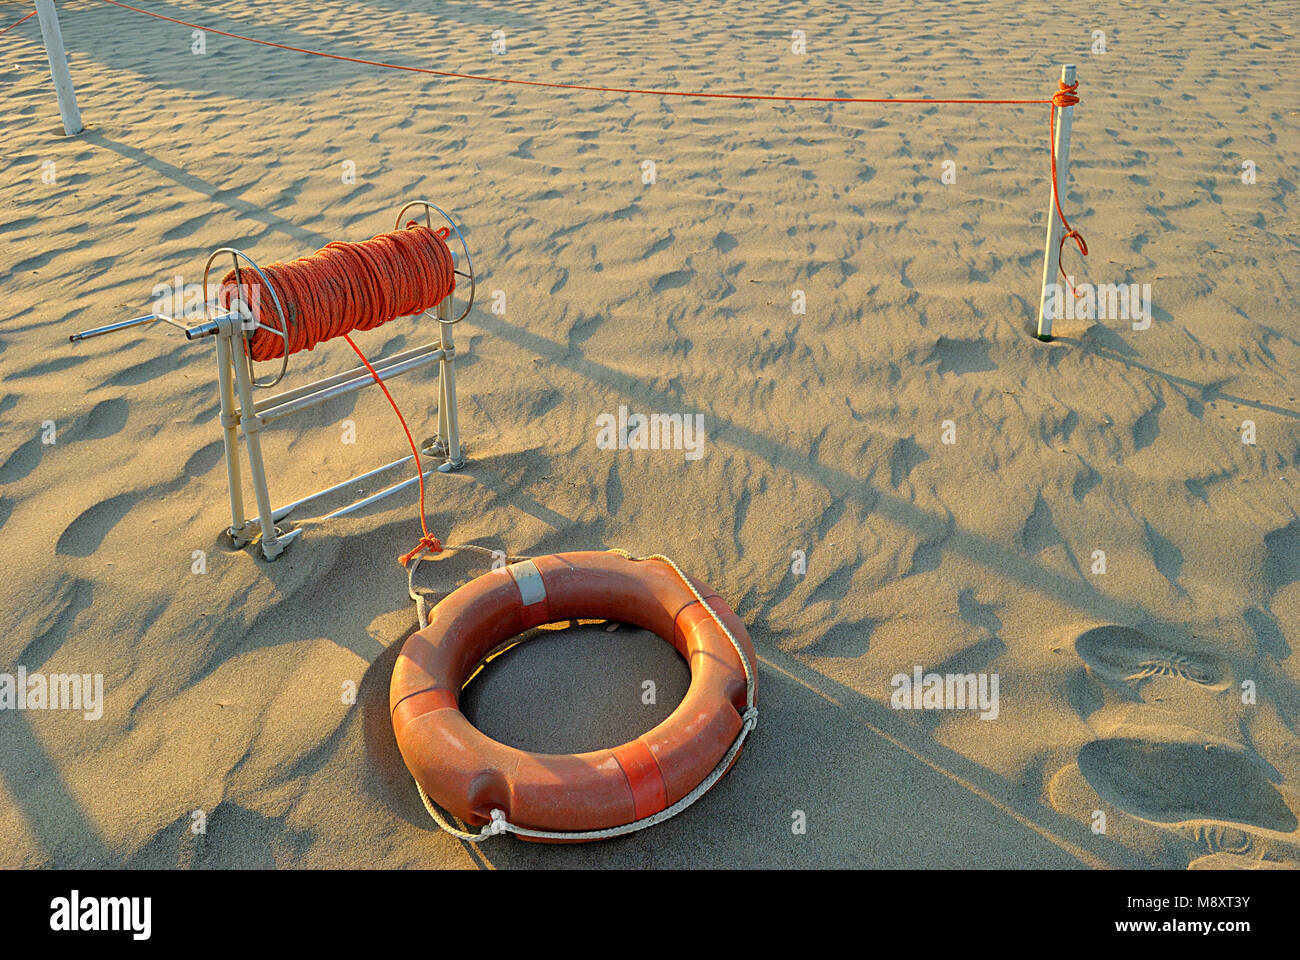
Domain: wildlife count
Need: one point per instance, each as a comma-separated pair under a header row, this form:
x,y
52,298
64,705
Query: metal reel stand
x,y
241,413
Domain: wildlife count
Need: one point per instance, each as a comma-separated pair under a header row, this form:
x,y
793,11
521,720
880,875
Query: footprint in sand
x,y
1181,778
1218,796
1127,658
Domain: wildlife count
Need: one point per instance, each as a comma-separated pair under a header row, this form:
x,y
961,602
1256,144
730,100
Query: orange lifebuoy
x,y
478,779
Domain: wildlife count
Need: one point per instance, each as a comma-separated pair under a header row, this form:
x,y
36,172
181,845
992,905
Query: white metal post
x,y
54,51
1052,252
252,428
441,445
447,390
229,427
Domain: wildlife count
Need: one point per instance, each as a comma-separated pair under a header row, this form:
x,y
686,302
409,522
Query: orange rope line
x,y
560,86
16,22
1065,97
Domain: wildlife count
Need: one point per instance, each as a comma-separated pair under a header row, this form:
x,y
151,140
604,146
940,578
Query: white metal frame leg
x,y
252,427
448,422
239,532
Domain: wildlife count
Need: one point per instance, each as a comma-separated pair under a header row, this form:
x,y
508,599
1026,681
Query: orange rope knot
x,y
1064,97
345,287
427,542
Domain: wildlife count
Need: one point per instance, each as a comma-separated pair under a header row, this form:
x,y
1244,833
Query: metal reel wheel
x,y
428,222
282,332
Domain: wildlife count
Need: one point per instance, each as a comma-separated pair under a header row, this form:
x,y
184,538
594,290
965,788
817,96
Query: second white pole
x,y
58,58
1052,253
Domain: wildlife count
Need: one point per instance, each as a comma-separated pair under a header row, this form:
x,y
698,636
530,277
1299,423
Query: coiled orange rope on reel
x,y
345,287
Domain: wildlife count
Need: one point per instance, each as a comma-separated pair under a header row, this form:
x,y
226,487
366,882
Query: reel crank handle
x,y
206,329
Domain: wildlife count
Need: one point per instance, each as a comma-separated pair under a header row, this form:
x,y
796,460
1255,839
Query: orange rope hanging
x,y
694,95
428,541
351,286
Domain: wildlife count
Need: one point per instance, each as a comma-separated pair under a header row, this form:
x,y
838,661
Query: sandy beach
x,y
897,478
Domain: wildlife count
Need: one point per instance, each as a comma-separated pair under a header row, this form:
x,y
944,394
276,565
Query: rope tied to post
x,y
1066,96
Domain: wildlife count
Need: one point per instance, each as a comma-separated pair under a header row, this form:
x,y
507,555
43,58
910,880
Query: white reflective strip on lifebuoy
x,y
529,581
